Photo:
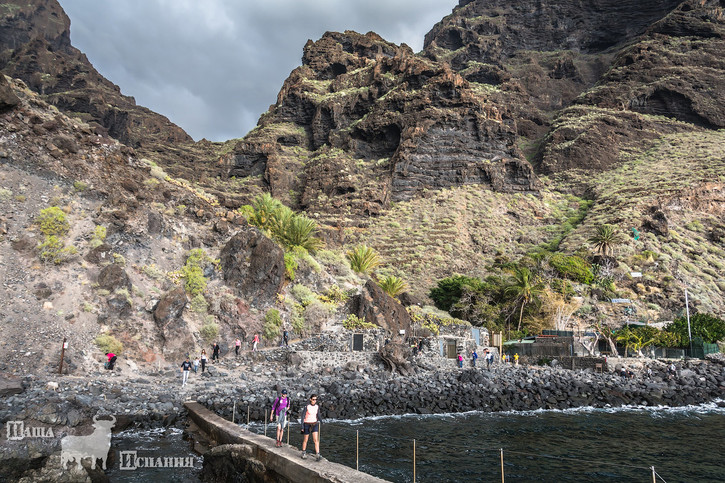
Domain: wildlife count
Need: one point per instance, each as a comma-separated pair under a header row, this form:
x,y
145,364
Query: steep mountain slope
x,y
518,130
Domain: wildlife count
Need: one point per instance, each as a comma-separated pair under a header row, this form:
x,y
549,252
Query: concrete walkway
x,y
284,461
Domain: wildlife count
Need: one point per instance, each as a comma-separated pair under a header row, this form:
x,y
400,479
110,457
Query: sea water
x,y
582,445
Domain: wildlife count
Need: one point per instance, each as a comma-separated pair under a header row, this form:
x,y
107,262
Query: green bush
x,y
193,272
303,294
562,287
334,295
209,331
572,267
98,237
363,259
393,285
353,322
194,280
53,221
272,324
298,319
199,304
449,290
80,186
290,265
108,343
707,326
54,250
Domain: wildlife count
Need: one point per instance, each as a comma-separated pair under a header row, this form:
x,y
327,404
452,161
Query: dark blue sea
x,y
583,445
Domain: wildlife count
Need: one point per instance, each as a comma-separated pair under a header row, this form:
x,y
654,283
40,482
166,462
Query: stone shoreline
x,y
349,392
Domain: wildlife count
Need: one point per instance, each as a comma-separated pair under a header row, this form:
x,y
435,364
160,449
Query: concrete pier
x,y
284,462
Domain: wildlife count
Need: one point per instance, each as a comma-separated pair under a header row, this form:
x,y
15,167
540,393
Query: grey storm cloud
x,y
214,66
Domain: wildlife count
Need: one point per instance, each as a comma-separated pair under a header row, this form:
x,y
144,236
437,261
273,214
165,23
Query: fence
x,y
419,454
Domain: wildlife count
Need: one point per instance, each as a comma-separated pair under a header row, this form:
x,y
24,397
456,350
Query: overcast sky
x,y
213,66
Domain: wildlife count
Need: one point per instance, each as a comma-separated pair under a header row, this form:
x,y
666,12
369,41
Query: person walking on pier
x,y
311,424
279,411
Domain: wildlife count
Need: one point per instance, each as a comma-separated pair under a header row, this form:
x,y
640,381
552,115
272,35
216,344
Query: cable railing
x,y
418,447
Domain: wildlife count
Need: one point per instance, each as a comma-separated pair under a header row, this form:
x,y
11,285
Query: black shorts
x,y
308,428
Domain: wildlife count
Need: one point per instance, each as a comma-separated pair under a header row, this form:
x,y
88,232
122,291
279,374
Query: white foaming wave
x,y
714,407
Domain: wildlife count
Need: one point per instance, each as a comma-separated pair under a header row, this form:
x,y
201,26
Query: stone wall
x,y
315,361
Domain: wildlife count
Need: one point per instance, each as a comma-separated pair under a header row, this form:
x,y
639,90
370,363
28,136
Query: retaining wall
x,y
280,464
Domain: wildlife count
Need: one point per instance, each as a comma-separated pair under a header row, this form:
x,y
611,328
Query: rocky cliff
x,y
518,130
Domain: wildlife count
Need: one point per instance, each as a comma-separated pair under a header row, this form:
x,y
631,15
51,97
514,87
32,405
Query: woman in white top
x,y
311,424
203,360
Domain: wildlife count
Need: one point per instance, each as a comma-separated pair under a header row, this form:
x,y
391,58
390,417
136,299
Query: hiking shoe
x,y
304,455
318,457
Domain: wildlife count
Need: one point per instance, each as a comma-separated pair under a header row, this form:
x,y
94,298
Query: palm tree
x,y
393,285
606,238
525,288
363,259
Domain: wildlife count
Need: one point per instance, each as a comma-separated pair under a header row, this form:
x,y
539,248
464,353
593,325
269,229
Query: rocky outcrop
x,y
253,265
113,277
376,307
8,99
170,307
10,385
379,124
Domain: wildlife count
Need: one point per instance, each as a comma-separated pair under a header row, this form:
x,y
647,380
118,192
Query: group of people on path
x,y
488,357
310,421
188,365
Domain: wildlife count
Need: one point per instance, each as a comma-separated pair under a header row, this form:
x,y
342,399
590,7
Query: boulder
x,y
8,99
253,265
10,385
170,307
99,254
376,307
113,277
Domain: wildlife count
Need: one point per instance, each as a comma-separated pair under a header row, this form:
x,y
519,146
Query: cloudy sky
x,y
213,66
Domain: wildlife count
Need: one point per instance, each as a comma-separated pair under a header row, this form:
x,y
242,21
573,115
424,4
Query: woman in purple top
x,y
279,411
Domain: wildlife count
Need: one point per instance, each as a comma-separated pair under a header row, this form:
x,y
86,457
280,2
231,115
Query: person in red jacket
x,y
111,360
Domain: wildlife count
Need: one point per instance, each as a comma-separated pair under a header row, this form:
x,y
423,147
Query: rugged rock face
x,y
254,265
170,307
376,307
35,47
662,75
380,124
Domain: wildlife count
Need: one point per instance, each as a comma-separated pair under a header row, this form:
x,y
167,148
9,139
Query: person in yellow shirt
x,y
516,358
